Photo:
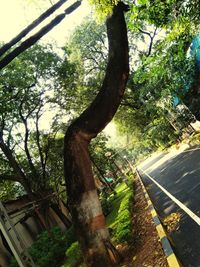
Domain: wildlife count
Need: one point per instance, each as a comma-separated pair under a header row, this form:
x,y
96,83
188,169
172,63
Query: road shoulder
x,y
146,249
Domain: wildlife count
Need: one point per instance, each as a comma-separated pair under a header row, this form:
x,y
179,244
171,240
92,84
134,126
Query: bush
x,y
123,227
195,139
49,249
13,262
74,256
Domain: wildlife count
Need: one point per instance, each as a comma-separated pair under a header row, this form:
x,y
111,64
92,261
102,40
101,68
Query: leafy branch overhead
x,y
103,8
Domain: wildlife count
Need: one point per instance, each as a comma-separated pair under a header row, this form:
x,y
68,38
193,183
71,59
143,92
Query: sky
x,y
15,15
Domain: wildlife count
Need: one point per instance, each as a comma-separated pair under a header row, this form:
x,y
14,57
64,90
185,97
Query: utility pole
x,y
14,241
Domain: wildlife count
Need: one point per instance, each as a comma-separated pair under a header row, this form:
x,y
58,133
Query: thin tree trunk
x,y
62,216
43,176
85,207
21,177
103,179
26,137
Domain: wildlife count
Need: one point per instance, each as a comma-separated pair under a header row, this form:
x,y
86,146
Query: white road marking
x,y
192,149
169,156
178,202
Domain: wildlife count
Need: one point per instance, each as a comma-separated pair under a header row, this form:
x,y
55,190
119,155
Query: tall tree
x,y
26,86
163,72
82,194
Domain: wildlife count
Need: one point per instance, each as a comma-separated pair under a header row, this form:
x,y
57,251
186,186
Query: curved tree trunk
x,y
83,200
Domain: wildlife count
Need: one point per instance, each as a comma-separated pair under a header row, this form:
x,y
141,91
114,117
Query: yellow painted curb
x,y
153,213
160,231
172,261
149,202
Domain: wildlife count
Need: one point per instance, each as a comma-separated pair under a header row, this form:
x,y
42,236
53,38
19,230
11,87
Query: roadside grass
x,y
74,256
119,220
115,202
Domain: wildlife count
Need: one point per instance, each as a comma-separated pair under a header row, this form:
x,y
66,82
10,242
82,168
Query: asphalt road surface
x,y
173,183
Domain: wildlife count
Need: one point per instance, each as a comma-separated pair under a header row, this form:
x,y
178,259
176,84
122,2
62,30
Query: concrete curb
x,y
168,251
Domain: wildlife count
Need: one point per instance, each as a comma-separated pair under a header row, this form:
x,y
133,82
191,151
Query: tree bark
x,y
83,200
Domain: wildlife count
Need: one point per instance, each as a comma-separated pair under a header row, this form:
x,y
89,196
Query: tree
x,y
24,147
89,41
86,51
162,74
82,195
98,150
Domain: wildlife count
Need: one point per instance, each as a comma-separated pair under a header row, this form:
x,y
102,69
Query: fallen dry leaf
x,y
172,222
134,258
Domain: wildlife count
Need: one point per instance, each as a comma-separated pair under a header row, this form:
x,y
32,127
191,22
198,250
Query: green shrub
x,y
13,262
123,226
74,256
195,139
49,249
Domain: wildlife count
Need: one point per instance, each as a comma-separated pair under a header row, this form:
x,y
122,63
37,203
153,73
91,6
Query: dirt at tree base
x,y
146,250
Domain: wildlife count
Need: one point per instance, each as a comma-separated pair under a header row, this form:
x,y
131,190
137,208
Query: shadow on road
x,y
180,175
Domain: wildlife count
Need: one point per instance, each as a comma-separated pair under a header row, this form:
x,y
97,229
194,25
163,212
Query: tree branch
x,y
10,177
39,146
151,36
24,120
14,164
151,42
31,26
145,32
34,38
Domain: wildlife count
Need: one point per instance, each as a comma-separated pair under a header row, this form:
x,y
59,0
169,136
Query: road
x,y
173,183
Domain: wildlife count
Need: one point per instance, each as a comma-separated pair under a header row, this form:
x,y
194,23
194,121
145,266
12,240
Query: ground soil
x,y
146,250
